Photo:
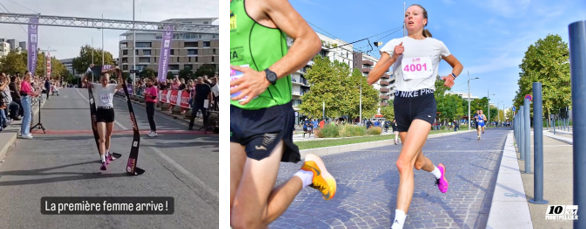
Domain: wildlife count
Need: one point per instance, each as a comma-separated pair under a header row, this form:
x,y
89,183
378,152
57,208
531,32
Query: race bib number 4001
x,y
105,98
417,68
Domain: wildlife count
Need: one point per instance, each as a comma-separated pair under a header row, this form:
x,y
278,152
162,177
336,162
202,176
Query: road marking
x,y
435,151
180,168
117,123
179,132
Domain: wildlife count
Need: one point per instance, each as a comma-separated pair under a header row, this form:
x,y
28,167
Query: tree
x,y
388,112
546,61
186,74
83,61
333,83
14,63
147,72
170,75
206,69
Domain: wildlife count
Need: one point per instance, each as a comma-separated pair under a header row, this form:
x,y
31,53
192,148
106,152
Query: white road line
x,y
117,123
186,173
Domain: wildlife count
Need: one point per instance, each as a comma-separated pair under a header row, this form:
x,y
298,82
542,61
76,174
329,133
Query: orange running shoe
x,y
322,180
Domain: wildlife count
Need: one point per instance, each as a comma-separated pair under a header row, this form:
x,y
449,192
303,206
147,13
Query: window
x,y
136,52
192,52
124,45
178,59
173,67
125,52
196,59
205,22
124,67
212,59
191,44
144,59
188,66
172,52
143,44
155,59
146,52
125,60
214,51
189,60
206,44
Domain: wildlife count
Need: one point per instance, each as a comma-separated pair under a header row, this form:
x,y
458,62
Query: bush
x,y
329,131
374,131
351,131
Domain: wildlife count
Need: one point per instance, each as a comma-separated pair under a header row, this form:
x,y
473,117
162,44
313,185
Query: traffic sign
x,y
514,109
529,97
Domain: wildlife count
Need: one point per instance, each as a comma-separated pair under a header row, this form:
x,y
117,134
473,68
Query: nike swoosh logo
x,y
429,116
314,169
260,147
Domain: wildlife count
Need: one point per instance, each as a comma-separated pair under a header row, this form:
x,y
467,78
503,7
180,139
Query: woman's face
x,y
27,77
105,78
414,20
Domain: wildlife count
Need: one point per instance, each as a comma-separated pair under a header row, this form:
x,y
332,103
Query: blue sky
x,y
489,37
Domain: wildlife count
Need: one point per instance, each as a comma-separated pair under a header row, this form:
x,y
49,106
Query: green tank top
x,y
259,47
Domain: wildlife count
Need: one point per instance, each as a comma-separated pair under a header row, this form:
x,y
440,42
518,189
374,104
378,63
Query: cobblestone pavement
x,y
368,181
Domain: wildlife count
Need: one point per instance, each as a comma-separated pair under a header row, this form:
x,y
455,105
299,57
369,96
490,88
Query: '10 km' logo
x,y
562,212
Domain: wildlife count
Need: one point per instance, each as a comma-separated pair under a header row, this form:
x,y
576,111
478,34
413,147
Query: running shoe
x,y
152,134
109,157
322,179
103,166
478,136
29,136
442,183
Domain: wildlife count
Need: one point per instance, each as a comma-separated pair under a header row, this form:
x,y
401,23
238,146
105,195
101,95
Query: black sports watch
x,y
271,76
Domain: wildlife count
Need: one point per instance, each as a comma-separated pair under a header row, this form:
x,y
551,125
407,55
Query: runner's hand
x,y
449,81
399,49
251,84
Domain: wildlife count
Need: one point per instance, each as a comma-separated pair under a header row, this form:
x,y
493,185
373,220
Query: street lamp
x,y
488,91
469,98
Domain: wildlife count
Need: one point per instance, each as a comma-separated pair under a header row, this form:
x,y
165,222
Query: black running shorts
x,y
105,115
411,105
261,130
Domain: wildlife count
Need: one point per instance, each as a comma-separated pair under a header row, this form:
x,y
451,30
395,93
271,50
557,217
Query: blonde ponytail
x,y
426,33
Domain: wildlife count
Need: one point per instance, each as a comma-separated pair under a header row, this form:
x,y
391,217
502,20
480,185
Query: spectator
x,y
150,95
16,106
202,93
26,91
216,92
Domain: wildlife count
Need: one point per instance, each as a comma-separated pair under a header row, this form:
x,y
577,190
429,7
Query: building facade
x,y
68,63
385,85
188,49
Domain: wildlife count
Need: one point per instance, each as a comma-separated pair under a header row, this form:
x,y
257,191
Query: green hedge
x,y
335,131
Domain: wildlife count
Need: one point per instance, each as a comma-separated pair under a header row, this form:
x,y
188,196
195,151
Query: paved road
x,y
64,162
368,182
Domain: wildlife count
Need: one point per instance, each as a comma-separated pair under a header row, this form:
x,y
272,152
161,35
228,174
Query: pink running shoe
x,y
442,183
103,166
109,158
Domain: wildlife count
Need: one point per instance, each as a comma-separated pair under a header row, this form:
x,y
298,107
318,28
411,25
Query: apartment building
x,y
188,49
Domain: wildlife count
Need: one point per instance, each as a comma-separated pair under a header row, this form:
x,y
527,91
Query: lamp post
x,y
469,98
488,105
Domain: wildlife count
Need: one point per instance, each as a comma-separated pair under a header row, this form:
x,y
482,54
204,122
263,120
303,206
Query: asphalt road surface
x,y
367,183
64,162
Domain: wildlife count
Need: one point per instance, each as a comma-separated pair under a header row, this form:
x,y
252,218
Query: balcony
x,y
385,97
385,76
383,104
384,90
367,62
384,83
365,70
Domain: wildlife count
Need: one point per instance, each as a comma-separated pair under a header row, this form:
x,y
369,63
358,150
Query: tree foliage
x,y
334,84
186,74
81,63
147,72
546,61
206,69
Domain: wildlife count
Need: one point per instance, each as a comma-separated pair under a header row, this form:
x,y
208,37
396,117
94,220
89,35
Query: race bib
x,y
417,68
105,98
234,75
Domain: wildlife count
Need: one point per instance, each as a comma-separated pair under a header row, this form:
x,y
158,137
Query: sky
x,y
489,37
68,41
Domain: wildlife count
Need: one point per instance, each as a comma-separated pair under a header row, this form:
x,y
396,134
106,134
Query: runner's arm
x,y
455,63
383,65
307,44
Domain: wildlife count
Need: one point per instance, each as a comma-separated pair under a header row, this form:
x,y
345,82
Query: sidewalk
x,y
9,135
510,205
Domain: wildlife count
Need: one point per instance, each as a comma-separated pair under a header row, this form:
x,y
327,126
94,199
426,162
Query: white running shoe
x,y
29,136
153,134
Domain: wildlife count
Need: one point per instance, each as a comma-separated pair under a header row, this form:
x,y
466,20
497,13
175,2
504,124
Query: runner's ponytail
x,y
426,33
